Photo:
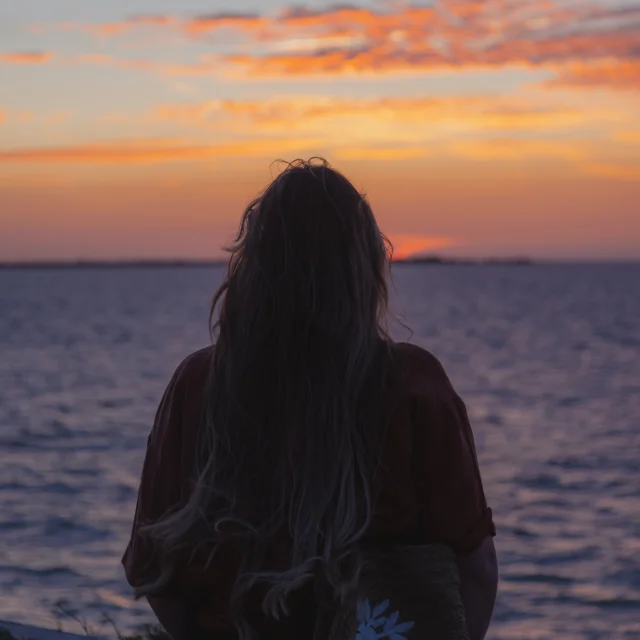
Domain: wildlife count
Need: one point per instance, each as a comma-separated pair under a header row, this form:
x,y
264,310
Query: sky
x,y
476,128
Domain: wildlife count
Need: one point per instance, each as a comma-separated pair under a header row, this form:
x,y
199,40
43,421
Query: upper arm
x,y
452,507
161,483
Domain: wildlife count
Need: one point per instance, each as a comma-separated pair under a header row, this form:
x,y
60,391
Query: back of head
x,y
294,421
309,262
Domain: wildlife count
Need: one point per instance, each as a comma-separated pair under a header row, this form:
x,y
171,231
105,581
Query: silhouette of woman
x,y
281,448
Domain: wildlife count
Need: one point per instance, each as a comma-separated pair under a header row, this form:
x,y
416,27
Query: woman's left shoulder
x,y
197,359
194,366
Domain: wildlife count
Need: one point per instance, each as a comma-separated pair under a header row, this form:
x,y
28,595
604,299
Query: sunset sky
x,y
141,129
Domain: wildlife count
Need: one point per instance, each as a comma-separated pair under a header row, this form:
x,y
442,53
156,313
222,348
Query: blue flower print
x,y
374,626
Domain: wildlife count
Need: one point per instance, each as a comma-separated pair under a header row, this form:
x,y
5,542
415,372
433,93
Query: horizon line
x,y
217,262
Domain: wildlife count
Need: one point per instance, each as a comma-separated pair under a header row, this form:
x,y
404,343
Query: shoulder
x,y
184,392
420,372
416,358
193,370
196,360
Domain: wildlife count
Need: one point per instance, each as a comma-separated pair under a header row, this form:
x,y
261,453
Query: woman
x,y
279,450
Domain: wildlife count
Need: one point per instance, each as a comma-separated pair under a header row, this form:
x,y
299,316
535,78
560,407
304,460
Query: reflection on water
x,y
547,359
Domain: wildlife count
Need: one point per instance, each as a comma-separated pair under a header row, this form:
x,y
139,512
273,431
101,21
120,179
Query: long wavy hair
x,y
293,421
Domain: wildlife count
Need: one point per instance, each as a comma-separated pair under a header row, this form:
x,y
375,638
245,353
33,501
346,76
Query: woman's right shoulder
x,y
419,371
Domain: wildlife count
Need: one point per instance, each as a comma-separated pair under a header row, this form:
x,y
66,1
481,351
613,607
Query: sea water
x,y
547,358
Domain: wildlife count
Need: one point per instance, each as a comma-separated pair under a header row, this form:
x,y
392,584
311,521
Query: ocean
x,y
546,357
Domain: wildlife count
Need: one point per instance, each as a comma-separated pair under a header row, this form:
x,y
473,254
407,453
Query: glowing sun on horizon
x,y
407,246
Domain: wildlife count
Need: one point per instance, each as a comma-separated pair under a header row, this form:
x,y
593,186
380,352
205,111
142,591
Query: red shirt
x,y
429,487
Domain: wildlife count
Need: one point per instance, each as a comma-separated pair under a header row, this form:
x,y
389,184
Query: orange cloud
x,y
203,68
111,29
196,26
352,21
453,34
406,246
621,74
186,113
25,115
450,34
26,57
460,51
207,23
382,153
329,62
517,149
624,172
154,151
288,21
475,112
585,43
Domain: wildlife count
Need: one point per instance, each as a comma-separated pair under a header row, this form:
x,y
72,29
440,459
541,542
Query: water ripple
x,y
547,359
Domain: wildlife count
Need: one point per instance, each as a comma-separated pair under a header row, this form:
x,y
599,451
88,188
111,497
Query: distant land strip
x,y
108,264
129,264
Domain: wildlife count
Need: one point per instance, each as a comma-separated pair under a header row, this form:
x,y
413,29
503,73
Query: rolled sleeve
x,y
452,507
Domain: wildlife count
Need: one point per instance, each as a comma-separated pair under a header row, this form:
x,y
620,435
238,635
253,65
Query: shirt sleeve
x,y
452,507
160,487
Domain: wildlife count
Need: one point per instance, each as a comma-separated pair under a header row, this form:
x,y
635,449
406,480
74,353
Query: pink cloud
x,y
451,34
475,112
621,74
26,57
238,21
153,150
119,28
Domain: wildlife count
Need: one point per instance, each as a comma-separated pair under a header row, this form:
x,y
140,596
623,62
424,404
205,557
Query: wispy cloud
x,y
622,74
207,23
26,57
450,34
24,116
119,28
475,43
452,113
629,171
582,157
476,128
519,149
205,66
383,154
149,151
